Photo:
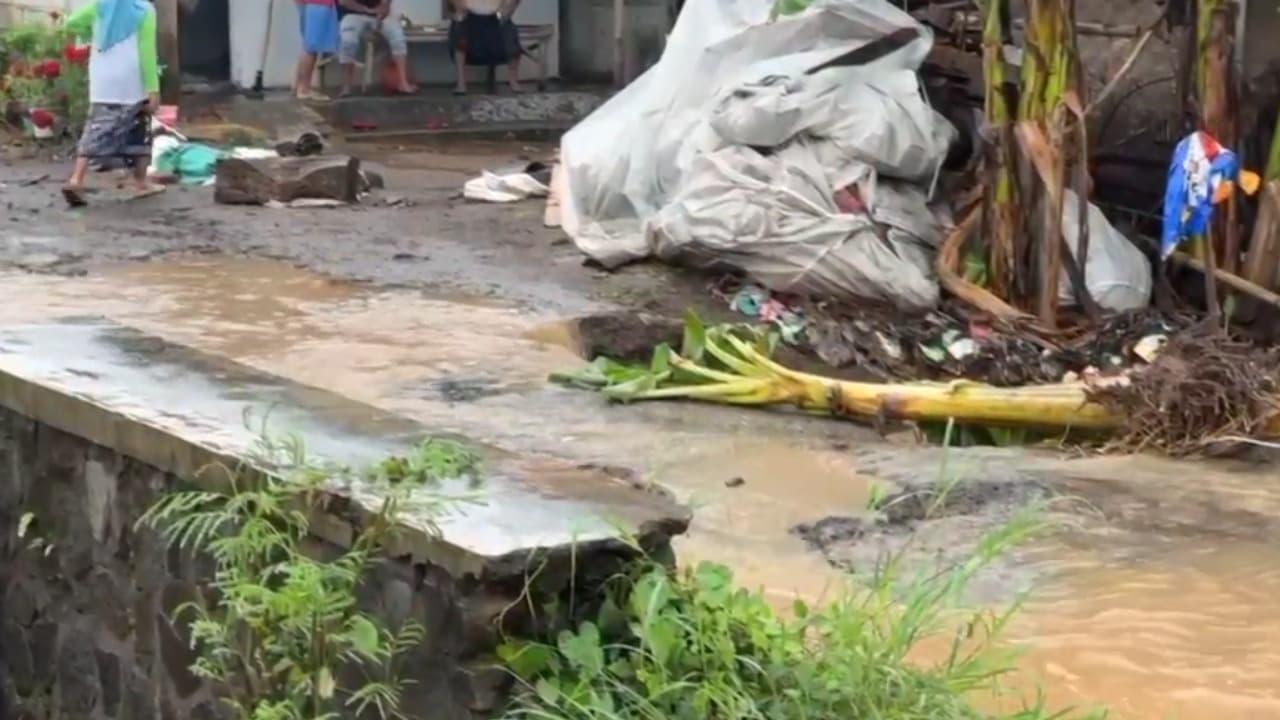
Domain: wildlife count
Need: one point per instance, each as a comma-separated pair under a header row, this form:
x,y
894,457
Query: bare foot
x,y
74,195
408,89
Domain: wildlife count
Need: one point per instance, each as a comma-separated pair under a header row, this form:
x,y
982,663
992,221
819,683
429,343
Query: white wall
x,y
14,11
248,19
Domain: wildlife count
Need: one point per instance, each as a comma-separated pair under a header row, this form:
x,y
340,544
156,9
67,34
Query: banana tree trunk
x,y
1000,209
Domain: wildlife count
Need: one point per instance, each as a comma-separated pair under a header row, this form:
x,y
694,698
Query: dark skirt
x,y
485,39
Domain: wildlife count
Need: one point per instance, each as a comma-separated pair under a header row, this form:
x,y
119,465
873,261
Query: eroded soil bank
x,y
1153,594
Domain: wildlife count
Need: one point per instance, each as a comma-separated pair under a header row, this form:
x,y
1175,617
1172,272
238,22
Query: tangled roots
x,y
1203,388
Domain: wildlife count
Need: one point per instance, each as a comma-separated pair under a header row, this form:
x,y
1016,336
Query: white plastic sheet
x,y
729,151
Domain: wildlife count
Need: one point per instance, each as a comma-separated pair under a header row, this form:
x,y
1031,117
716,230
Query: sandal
x,y
74,195
148,191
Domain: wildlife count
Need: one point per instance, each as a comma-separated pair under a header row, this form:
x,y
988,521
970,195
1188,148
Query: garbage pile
x,y
800,155
773,148
799,150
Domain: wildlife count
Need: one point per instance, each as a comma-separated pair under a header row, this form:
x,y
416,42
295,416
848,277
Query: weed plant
x,y
283,631
692,645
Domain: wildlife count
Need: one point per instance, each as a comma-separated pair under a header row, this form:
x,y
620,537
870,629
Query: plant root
x,y
1205,389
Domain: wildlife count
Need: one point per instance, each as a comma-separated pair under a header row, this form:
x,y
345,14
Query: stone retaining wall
x,y
97,420
86,633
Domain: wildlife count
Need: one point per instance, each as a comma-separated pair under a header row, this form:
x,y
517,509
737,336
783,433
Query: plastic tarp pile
x,y
735,150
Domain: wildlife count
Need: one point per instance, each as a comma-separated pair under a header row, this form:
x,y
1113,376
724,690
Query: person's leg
x,y
399,47
301,82
458,49
460,60
136,149
513,74
76,182
350,32
511,46
90,137
302,77
319,36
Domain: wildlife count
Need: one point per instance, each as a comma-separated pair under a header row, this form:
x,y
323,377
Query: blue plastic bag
x,y
1202,174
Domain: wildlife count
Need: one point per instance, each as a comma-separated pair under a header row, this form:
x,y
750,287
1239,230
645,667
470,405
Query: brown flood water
x,y
1150,625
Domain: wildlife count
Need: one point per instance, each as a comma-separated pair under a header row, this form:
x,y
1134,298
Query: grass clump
x,y
691,644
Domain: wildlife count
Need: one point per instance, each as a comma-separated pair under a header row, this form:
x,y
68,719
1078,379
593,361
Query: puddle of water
x,y
1186,632
746,498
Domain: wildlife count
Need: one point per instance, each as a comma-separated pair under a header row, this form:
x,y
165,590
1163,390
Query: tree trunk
x,y
167,49
259,181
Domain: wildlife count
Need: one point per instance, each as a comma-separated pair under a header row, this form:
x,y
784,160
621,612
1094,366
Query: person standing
x,y
318,24
124,90
358,17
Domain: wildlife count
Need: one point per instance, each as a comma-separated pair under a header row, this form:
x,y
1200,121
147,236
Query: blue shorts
x,y
319,27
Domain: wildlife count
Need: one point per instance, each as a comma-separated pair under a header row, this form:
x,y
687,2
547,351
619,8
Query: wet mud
x,y
454,314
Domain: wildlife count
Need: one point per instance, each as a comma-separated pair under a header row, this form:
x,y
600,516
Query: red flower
x,y
78,54
42,118
51,68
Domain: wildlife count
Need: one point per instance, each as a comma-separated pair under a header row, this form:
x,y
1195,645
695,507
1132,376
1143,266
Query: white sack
x,y
774,218
1118,274
503,188
625,162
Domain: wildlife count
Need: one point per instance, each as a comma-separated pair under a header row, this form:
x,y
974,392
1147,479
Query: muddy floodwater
x,y
1153,622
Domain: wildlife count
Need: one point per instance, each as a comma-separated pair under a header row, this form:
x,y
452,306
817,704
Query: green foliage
x,y
434,460
693,645
27,45
721,362
285,631
35,40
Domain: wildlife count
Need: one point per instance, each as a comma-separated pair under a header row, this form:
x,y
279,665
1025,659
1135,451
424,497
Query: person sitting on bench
x,y
358,17
482,33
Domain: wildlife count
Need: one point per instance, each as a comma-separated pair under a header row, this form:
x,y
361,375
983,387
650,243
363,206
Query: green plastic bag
x,y
193,163
790,7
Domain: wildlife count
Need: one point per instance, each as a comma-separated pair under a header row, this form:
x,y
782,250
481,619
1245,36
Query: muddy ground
x,y
431,238
1154,558
418,234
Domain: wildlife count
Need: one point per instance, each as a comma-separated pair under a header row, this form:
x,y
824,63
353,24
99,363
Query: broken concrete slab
x,y
179,410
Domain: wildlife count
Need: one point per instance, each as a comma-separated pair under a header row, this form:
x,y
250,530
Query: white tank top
x,y
484,7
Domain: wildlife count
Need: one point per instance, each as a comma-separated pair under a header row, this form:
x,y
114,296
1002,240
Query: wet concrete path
x,y
1156,600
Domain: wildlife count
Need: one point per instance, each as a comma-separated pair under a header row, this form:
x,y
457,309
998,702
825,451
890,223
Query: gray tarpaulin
x,y
729,152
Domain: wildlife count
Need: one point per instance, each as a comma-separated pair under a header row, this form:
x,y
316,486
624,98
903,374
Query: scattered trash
x,y
756,301
962,347
735,482
533,180
1149,347
190,162
1202,174
303,203
307,144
